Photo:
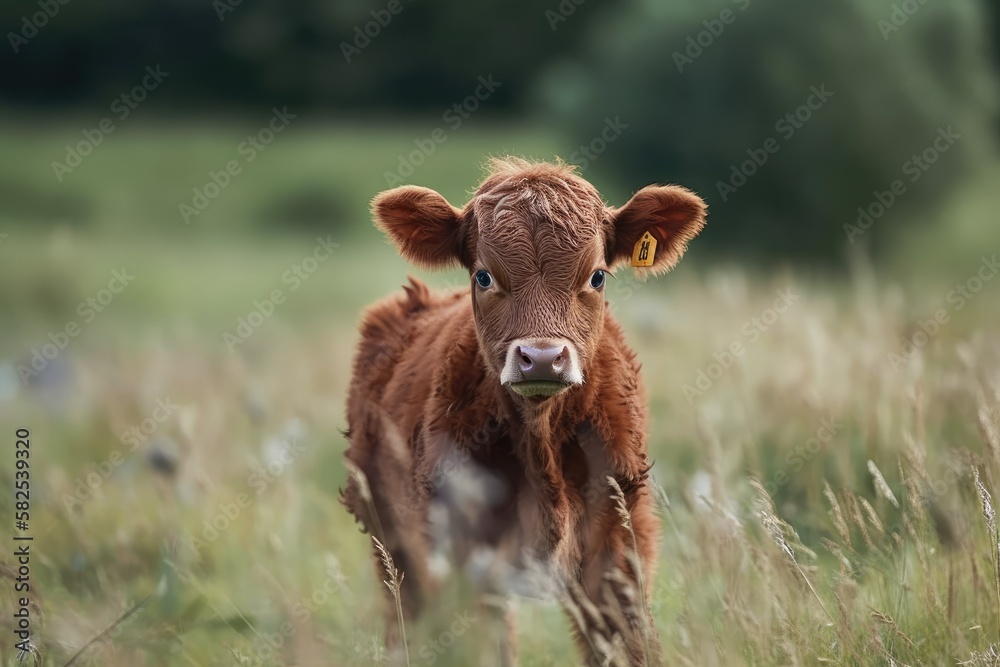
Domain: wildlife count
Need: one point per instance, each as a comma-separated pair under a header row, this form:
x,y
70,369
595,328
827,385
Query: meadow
x,y
828,446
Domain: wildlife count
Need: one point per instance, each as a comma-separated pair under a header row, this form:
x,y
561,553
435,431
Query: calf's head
x,y
539,243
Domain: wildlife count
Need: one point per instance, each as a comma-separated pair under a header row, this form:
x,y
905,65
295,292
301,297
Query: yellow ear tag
x,y
644,251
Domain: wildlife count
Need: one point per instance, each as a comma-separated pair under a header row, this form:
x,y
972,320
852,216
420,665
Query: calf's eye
x,y
597,280
483,278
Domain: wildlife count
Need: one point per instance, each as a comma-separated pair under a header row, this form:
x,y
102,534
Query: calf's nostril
x,y
559,360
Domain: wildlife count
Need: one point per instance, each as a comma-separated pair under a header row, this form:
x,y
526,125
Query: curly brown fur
x,y
428,389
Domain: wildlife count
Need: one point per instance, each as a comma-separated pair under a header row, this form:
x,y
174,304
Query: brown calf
x,y
488,420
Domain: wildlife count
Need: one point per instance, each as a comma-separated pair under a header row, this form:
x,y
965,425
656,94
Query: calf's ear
x,y
653,229
425,228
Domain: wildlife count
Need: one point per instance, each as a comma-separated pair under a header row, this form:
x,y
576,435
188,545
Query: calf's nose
x,y
542,363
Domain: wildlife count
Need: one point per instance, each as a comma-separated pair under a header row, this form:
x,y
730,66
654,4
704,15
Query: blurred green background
x,y
695,89
103,159
847,148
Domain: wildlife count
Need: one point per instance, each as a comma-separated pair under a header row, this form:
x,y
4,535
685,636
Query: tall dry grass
x,y
870,545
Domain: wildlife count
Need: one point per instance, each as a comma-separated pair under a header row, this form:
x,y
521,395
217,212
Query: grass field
x,y
864,543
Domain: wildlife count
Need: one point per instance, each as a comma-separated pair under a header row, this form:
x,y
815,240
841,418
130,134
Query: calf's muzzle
x,y
540,367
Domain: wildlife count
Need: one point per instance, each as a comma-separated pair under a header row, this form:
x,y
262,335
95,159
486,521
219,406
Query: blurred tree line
x,y
697,88
727,103
225,54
